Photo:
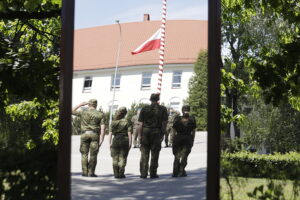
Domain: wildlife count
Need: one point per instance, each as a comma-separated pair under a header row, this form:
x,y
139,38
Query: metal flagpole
x,y
115,75
162,46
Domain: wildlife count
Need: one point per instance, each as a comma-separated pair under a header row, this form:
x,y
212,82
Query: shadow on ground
x,y
106,187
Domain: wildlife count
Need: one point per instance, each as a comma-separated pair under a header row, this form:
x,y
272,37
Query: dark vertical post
x,y
213,120
65,88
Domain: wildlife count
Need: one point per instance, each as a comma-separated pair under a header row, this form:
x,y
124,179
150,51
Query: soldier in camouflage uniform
x,y
121,142
169,133
153,120
92,126
135,123
185,128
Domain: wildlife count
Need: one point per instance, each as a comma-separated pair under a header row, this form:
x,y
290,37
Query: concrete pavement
x,y
106,187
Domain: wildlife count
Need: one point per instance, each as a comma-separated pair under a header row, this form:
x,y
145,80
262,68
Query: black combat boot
x,y
116,171
182,172
153,174
121,172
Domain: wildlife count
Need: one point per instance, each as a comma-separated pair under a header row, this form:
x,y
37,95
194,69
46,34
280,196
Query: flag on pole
x,y
151,44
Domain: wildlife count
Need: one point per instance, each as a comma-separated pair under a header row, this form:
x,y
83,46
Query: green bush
x,y
29,174
246,164
275,128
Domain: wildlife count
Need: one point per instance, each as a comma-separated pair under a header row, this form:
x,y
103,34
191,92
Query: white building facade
x,y
95,56
134,84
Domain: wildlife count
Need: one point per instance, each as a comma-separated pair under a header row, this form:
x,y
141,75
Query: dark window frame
x,y
213,125
176,85
87,80
112,86
146,86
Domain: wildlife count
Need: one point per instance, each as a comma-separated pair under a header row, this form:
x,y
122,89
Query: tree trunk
x,y
235,112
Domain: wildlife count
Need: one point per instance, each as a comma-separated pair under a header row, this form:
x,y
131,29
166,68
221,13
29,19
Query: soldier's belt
x,y
120,134
183,133
89,132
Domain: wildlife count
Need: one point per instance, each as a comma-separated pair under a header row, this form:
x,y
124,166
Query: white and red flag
x,y
151,44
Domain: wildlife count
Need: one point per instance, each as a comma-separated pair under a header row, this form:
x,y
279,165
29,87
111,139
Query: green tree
x,y
277,69
275,128
260,61
29,66
198,91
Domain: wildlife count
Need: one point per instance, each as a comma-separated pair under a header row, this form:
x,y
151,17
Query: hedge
x,y
246,164
31,174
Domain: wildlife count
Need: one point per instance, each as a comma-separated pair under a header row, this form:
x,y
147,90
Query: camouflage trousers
x,y
150,142
119,152
89,144
135,139
169,136
182,146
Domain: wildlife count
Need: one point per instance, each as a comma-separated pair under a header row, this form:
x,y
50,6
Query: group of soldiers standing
x,y
150,126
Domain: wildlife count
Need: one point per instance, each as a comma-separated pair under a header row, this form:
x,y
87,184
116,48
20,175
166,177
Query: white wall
x,y
130,86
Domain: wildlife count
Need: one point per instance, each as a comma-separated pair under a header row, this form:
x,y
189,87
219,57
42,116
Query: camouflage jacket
x,y
134,121
184,126
153,115
171,118
91,120
120,127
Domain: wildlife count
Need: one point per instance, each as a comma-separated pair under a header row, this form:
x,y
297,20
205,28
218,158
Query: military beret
x,y
122,110
185,108
154,97
93,102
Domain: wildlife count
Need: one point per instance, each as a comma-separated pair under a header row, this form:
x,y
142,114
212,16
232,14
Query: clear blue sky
x,y
90,13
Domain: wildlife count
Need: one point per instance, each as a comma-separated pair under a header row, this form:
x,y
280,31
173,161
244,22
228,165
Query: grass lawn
x,y
241,186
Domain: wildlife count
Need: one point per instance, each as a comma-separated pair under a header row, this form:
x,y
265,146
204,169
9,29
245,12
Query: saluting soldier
x,y
185,128
153,120
169,132
121,142
135,123
92,126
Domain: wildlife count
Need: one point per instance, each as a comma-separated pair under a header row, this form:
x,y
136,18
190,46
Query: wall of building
x,y
130,85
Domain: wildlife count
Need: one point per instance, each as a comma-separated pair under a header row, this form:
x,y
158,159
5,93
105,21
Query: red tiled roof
x,y
96,48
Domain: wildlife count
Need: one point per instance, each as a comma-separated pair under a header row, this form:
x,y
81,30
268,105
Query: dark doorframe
x,y
66,70
65,89
213,116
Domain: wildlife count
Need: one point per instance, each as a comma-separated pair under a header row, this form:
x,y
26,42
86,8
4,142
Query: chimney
x,y
146,17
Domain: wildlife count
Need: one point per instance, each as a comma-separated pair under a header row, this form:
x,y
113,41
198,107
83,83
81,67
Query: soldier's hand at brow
x,y
84,103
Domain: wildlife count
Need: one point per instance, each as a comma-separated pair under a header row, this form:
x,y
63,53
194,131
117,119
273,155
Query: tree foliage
x,y
275,128
260,75
198,91
29,71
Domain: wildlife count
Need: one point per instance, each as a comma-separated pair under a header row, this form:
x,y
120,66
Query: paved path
x,y
106,187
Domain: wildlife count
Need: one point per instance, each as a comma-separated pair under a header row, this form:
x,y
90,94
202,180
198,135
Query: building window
x,y
114,109
114,105
176,81
117,83
175,105
87,84
144,101
146,81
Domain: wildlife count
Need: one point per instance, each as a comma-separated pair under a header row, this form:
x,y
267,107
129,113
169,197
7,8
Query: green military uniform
x,y
91,120
182,144
169,133
119,146
135,122
152,117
